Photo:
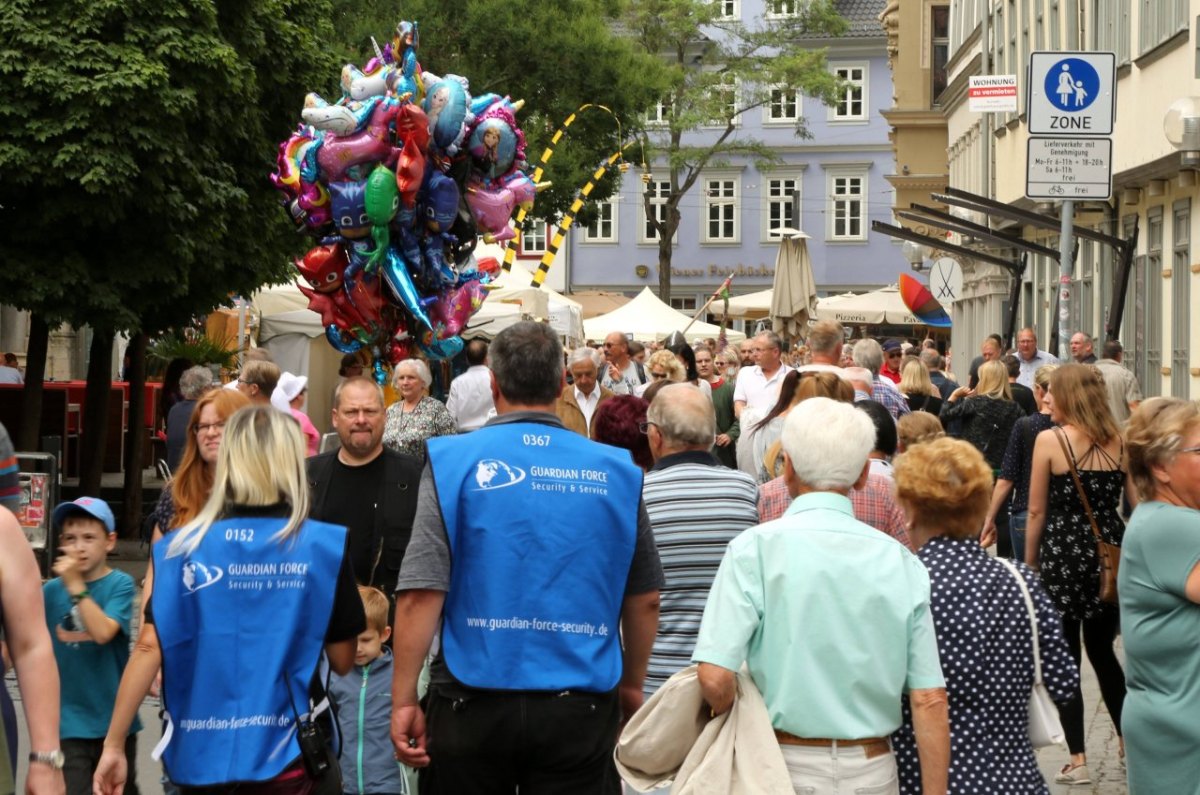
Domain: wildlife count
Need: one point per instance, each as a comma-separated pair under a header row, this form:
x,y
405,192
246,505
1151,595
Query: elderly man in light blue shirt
x,y
832,619
1030,357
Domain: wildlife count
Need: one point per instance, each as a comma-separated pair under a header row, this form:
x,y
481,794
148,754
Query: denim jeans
x,y
840,771
1016,531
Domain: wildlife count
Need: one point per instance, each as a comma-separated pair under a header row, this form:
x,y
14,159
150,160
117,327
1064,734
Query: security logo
x,y
197,576
491,474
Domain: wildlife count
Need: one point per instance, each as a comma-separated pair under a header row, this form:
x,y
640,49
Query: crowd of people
x,y
855,569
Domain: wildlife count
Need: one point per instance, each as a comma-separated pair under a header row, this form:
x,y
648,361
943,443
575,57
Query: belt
x,y
872,746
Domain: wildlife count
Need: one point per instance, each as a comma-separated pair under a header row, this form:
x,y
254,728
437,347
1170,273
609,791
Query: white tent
x,y
513,288
648,319
752,306
296,339
879,307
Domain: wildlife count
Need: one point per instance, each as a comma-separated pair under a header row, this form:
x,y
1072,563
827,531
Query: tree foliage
x,y
556,56
719,70
136,137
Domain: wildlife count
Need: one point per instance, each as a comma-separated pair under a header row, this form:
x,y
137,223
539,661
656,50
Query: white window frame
x,y
784,94
787,9
835,115
646,236
729,9
835,198
657,117
728,82
796,175
610,207
728,198
538,230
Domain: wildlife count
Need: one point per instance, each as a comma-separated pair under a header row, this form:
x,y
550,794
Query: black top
x,y
177,431
985,422
928,403
351,502
1024,398
1018,457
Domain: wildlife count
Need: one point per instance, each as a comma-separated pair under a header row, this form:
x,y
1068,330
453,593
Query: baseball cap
x,y
891,345
92,506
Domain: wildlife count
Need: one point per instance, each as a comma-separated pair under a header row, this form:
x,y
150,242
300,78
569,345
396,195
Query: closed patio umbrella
x,y
794,294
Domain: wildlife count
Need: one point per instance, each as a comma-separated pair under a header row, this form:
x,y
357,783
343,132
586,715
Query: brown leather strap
x,y
786,738
1061,436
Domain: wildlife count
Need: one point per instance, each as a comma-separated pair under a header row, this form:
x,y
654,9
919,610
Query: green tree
x,y
718,71
556,56
136,137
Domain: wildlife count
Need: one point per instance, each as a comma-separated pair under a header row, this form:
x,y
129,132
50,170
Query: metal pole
x,y
1066,266
985,120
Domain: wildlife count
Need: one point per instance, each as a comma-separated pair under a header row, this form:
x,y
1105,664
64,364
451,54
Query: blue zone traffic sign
x,y
1072,85
1071,93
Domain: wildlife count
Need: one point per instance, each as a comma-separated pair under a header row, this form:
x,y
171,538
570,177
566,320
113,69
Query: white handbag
x,y
1045,728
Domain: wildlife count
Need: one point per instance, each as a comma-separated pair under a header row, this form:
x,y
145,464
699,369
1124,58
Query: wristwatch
x,y
54,759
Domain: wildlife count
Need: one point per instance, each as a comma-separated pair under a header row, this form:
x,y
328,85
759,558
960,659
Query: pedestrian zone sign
x,y
1072,93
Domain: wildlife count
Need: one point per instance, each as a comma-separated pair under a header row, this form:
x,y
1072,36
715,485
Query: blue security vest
x,y
542,525
234,617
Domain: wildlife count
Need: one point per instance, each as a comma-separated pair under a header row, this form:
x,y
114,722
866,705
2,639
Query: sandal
x,y
1072,775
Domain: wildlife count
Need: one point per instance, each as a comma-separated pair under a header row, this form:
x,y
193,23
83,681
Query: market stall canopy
x,y
513,288
598,302
875,308
751,306
648,319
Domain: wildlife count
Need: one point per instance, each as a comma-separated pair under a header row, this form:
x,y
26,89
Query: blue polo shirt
x,y
831,616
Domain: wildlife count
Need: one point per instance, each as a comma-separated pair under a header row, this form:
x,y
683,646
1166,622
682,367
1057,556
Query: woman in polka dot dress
x,y
984,637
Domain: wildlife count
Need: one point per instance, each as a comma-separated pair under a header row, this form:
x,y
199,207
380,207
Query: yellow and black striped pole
x,y
560,234
510,251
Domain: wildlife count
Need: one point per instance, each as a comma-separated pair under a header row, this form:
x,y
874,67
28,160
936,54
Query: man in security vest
x,y
533,554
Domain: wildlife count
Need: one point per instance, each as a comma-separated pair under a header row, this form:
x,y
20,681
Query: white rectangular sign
x,y
1072,93
992,93
1069,168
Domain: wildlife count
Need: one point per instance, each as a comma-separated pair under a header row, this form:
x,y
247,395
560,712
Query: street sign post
x,y
1072,93
1068,168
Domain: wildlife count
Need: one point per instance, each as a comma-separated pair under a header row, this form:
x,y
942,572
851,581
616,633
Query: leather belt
x,y
872,746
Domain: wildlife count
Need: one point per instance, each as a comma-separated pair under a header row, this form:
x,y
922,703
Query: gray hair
x,y
772,339
827,442
684,416
868,354
526,361
420,369
195,381
585,355
932,359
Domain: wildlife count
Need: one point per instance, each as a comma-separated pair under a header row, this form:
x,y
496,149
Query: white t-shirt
x,y
470,400
756,390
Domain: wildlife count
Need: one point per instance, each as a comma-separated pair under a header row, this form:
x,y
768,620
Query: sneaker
x,y
1072,775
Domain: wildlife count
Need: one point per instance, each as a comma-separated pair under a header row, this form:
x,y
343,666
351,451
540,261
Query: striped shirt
x,y
10,485
696,508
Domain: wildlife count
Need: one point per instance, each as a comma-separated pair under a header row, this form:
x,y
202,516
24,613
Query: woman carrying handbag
x,y
1074,498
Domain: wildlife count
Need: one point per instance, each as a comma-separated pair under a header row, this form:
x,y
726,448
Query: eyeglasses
x,y
200,428
644,426
1190,450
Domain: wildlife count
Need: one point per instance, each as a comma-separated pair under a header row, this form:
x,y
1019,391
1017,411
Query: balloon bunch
x,y
397,180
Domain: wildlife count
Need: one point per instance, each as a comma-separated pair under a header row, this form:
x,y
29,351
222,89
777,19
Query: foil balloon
x,y
447,107
398,179
371,144
381,200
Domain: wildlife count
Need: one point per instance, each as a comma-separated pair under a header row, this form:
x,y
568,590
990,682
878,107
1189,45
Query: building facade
x,y
1155,184
830,185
